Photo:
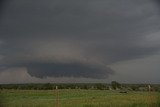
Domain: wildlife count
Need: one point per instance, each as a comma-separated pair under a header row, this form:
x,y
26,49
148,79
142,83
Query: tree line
x,y
94,86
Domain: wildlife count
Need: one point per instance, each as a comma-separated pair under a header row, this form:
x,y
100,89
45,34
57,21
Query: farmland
x,y
78,98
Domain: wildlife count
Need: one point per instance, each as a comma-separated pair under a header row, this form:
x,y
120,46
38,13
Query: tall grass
x,y
78,98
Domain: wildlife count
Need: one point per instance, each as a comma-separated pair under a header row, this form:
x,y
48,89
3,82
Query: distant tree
x,y
135,87
85,87
115,85
100,86
47,86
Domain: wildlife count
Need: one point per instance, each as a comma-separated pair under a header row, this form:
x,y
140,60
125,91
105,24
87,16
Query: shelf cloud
x,y
81,39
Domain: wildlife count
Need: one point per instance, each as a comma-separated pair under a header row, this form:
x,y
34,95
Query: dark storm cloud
x,y
76,38
68,70
1,6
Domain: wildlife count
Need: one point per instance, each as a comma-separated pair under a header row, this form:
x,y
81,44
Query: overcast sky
x,y
79,41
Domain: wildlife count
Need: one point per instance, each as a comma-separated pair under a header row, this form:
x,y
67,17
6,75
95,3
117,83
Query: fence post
x,y
149,88
57,97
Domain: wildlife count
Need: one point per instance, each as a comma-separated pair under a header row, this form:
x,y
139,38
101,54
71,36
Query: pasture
x,y
77,98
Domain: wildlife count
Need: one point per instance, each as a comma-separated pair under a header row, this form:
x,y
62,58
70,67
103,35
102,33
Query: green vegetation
x,y
79,95
78,98
115,85
94,86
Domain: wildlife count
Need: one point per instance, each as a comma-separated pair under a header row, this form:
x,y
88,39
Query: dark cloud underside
x,y
67,70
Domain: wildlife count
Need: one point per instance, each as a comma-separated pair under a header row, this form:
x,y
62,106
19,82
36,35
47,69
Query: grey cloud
x,y
10,76
68,70
1,5
80,36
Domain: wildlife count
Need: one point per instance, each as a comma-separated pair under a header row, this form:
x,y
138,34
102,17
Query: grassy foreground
x,y
78,98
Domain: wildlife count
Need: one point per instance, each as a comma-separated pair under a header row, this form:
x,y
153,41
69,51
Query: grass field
x,y
78,98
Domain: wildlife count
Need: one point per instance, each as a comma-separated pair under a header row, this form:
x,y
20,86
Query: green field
x,y
78,98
